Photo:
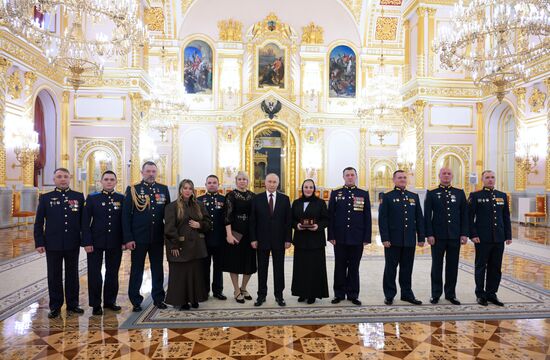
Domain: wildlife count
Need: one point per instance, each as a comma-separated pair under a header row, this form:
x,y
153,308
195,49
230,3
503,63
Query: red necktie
x,y
270,204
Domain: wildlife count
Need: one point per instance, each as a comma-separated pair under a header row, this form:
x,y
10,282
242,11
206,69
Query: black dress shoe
x,y
161,305
301,299
113,307
185,307
310,301
495,301
413,301
220,296
280,301
195,305
453,300
259,301
434,300
388,301
482,301
54,313
355,302
97,310
137,308
336,300
75,310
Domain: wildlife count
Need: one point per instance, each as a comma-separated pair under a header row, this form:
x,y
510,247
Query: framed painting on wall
x,y
343,72
271,66
197,68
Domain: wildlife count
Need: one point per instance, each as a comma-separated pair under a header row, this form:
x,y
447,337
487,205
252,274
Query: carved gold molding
x,y
461,151
386,28
418,109
5,64
312,34
154,18
373,164
230,30
536,100
135,128
15,86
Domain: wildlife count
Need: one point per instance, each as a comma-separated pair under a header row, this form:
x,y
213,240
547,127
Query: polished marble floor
x,y
29,334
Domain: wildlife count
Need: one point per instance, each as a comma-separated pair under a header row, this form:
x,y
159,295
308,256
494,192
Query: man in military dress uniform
x,y
401,225
61,209
349,230
102,234
143,229
490,228
214,203
446,218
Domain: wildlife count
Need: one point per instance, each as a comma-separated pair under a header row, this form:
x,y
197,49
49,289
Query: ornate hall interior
x,y
302,89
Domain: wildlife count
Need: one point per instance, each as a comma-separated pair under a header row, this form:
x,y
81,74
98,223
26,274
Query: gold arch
x,y
392,164
462,152
113,146
289,163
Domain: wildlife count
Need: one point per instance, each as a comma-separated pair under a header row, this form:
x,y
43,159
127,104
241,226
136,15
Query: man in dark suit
x,y
446,217
143,229
401,225
490,228
60,238
349,230
214,203
271,233
102,234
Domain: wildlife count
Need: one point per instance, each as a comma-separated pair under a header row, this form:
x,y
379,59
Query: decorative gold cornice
x,y
312,34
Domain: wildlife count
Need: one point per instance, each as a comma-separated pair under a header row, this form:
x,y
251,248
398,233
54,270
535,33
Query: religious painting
x,y
197,68
271,66
343,71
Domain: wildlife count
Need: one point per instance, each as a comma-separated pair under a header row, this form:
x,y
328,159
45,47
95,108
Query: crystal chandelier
x,y
495,40
24,141
382,97
74,51
167,104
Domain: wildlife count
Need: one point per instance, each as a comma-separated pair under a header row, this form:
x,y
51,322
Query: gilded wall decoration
x,y
312,34
391,2
15,86
354,7
381,179
536,100
462,152
230,30
271,26
154,18
198,65
343,72
114,147
185,5
386,28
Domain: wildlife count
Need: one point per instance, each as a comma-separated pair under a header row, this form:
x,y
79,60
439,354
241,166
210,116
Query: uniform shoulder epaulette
x,y
435,188
95,193
389,191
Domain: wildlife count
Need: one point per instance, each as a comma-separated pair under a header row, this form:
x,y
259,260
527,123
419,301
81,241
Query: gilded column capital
x,y
431,12
406,23
479,107
30,79
5,64
519,92
547,83
421,11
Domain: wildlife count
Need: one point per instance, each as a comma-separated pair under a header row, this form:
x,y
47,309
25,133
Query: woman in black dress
x,y
186,221
309,220
239,257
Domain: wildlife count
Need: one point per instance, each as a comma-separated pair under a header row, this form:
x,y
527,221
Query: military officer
x,y
401,225
143,233
60,238
349,229
102,234
490,228
214,203
446,218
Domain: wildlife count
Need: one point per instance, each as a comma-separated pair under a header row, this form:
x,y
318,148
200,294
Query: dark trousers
x,y
214,257
488,263
450,250
156,255
113,258
54,261
278,256
346,270
402,256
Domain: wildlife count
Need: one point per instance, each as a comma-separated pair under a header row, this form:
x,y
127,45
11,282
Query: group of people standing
x,y
238,234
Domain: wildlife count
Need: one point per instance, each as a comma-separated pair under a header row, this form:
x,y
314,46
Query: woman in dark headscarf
x,y
186,222
309,220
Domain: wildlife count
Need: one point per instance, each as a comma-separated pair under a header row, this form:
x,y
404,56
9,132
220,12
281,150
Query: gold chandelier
x,y
74,51
495,40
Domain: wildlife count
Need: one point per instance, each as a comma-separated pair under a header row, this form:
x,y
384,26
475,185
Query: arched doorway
x,y
271,147
501,146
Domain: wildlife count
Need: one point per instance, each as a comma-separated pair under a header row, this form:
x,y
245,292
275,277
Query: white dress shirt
x,y
274,198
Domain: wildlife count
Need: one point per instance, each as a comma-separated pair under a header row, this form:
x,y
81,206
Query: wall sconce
x,y
406,156
20,136
528,146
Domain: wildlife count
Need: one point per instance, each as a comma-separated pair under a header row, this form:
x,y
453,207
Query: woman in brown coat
x,y
186,222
